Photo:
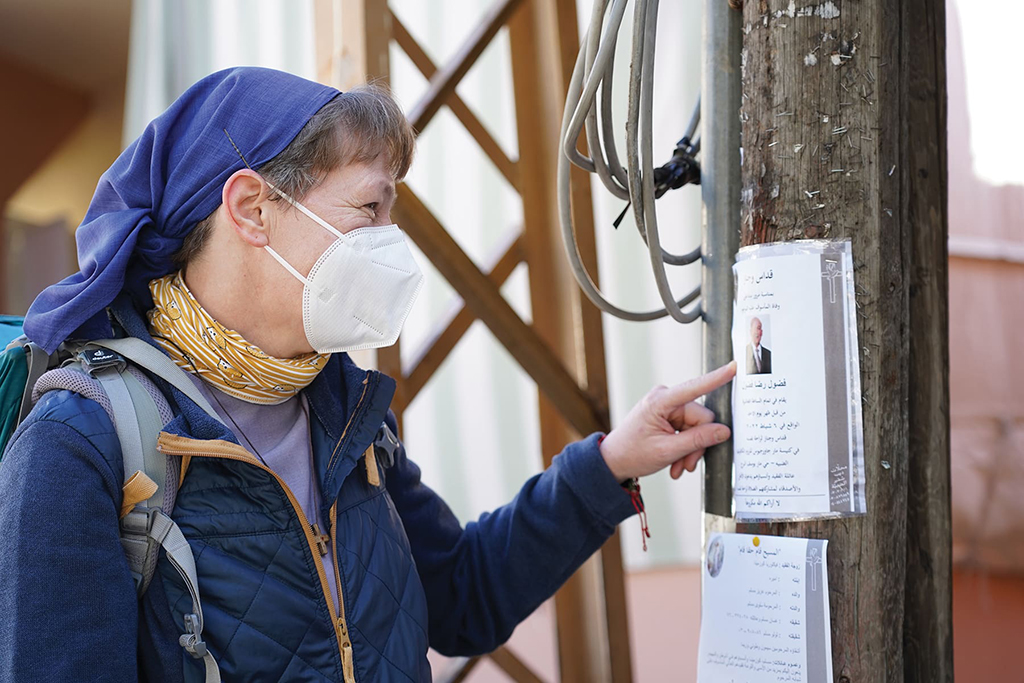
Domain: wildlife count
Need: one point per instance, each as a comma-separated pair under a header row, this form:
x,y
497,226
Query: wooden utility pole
x,y
844,136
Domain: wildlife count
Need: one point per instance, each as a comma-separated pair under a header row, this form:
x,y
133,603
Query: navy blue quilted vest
x,y
267,608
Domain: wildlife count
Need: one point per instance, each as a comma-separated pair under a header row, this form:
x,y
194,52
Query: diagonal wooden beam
x,y
452,328
485,300
443,84
516,669
506,166
458,672
513,666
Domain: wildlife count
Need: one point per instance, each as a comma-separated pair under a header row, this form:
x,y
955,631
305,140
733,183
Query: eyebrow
x,y
385,189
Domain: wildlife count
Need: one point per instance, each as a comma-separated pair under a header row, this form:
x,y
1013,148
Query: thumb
x,y
698,438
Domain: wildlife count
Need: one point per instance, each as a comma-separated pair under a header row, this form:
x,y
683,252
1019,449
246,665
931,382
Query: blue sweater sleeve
x,y
483,580
66,595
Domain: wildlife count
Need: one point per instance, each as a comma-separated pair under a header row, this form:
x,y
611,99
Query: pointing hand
x,y
667,427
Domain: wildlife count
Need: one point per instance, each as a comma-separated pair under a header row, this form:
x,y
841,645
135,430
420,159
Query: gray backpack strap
x,y
136,410
150,424
163,471
146,528
146,356
162,530
109,369
180,555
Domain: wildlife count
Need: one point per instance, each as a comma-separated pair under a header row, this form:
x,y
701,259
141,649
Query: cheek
x,y
312,249
282,295
303,247
283,292
306,253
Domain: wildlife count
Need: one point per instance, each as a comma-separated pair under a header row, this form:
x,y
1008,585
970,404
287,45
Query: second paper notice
x,y
796,399
765,614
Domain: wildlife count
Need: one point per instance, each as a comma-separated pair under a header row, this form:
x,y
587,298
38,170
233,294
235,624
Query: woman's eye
x,y
372,206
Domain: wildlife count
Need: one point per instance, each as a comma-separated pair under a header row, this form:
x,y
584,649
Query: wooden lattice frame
x,y
563,350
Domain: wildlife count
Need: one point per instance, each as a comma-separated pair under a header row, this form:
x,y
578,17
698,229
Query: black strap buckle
x,y
385,445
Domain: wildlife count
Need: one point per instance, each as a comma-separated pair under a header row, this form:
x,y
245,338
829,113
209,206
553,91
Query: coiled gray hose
x,y
593,72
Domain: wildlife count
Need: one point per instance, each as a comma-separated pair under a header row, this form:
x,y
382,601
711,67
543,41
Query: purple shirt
x,y
280,436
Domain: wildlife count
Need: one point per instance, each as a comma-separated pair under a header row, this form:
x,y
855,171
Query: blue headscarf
x,y
164,183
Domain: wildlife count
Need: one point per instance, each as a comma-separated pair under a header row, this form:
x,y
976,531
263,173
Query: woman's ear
x,y
245,198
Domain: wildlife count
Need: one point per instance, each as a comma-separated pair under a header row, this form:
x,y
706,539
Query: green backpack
x,y
107,371
13,377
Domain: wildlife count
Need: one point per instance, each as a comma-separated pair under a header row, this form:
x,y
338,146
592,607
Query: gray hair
x,y
358,125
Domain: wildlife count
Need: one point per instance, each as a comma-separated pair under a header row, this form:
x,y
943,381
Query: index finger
x,y
681,394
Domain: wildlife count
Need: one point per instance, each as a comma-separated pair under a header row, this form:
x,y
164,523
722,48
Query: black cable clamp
x,y
682,169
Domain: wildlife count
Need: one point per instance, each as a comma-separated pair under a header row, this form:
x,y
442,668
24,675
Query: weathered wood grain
x,y
843,109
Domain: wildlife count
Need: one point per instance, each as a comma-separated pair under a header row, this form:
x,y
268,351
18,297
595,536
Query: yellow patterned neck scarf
x,y
202,346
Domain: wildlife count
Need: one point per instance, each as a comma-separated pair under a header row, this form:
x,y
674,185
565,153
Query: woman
x,y
247,235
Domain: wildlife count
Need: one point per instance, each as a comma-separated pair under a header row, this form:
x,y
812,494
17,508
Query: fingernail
x,y
721,434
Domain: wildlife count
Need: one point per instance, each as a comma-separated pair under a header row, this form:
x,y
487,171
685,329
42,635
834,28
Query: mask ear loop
x,y
312,216
321,222
288,267
270,250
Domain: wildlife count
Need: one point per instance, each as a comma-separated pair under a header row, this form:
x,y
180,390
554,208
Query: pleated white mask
x,y
361,289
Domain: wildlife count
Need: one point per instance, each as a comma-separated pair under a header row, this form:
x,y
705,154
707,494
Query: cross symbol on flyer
x,y
831,273
815,561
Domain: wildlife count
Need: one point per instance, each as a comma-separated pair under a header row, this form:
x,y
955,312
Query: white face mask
x,y
361,289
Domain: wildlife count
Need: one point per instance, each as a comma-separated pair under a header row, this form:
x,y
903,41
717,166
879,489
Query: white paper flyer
x,y
765,611
797,423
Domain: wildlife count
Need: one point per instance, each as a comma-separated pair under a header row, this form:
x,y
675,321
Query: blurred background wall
x,y
986,291
81,80
63,88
